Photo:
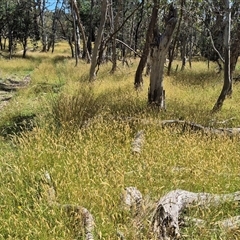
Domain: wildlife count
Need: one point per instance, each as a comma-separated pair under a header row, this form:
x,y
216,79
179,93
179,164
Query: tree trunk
x,y
24,47
137,28
98,39
91,32
138,76
183,50
71,45
156,93
114,47
235,50
74,34
227,85
54,26
42,9
80,26
171,50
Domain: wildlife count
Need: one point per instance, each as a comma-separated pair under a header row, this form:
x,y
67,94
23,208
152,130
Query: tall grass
x,y
82,136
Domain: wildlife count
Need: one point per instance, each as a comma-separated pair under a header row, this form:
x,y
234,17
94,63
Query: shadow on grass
x,y
196,78
17,125
61,58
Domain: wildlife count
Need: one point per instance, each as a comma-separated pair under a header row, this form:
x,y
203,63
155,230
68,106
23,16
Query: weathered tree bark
x,y
227,85
138,142
190,127
138,76
165,221
156,93
167,216
98,39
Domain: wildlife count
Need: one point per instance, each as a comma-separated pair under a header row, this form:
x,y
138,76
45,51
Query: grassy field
x,y
81,133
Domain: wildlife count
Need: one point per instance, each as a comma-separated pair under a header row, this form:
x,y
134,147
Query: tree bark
x,y
80,26
114,28
74,33
235,50
165,221
172,50
138,76
90,32
156,93
98,39
227,85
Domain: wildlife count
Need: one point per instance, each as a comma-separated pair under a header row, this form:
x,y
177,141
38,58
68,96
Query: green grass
x,y
82,136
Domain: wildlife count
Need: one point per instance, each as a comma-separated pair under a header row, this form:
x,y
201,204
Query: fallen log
x,y
205,130
225,224
132,198
190,126
166,219
138,142
13,85
8,87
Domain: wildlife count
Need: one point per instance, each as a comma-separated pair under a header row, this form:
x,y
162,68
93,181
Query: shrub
x,y
75,110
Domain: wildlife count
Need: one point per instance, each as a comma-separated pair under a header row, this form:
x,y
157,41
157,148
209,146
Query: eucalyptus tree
x,y
107,32
230,56
235,42
98,39
158,40
143,60
26,23
19,24
41,11
160,45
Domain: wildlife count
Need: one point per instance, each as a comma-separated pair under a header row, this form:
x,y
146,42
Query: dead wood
x,y
132,198
138,142
8,87
80,217
5,99
225,224
206,130
191,126
167,216
166,219
13,85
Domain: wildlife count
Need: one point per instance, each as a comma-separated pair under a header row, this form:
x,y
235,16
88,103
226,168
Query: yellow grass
x,y
91,165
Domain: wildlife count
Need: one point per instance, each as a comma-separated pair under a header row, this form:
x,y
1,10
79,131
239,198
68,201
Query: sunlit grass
x,y
92,162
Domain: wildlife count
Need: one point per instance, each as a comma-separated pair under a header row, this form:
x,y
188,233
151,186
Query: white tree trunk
x,y
156,93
